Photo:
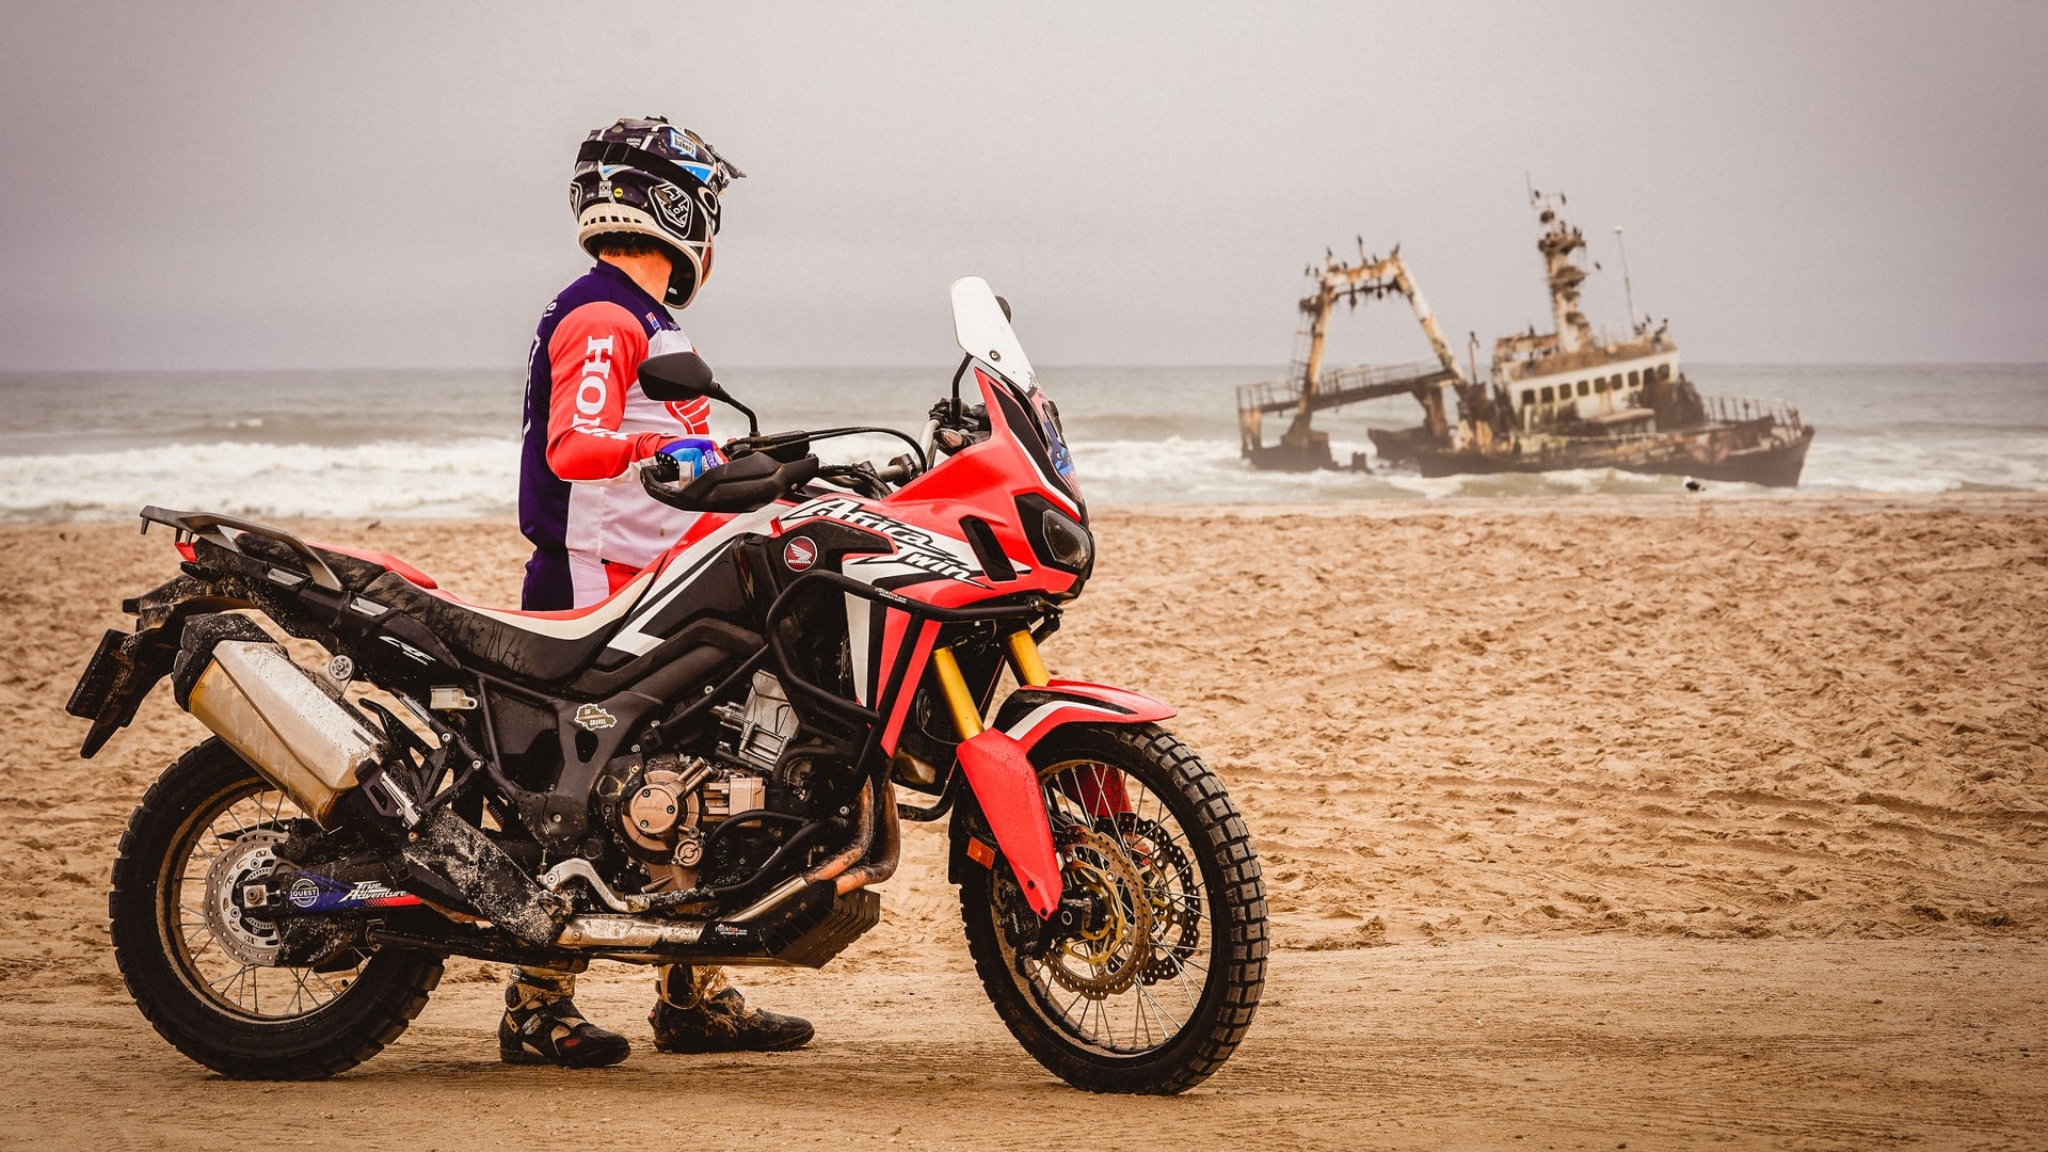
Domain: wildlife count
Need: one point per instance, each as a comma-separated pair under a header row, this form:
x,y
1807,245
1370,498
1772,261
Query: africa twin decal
x,y
919,556
917,551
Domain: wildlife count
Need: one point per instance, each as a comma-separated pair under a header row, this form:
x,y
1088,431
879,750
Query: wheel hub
x,y
248,938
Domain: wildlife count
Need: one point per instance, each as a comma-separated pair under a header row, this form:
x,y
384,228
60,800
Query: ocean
x,y
445,443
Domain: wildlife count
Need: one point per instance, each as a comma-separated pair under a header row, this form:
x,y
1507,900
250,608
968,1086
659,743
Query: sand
x,y
1595,821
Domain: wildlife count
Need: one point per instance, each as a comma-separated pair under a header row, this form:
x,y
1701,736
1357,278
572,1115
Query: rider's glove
x,y
692,455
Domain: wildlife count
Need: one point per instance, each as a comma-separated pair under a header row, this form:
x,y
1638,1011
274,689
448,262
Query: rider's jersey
x,y
588,425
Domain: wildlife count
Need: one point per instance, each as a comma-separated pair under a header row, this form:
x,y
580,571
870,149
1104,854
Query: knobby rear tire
x,y
1234,922
388,991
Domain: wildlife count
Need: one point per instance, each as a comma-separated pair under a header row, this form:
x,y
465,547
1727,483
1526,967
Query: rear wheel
x,y
203,968
1155,983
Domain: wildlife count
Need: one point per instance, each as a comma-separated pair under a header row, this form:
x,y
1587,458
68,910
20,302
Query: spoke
x,y
332,991
1145,997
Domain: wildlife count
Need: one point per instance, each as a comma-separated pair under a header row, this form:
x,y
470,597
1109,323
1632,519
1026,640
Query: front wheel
x,y
1152,981
203,967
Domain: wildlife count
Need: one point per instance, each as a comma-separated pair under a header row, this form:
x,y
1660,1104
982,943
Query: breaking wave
x,y
471,477
326,445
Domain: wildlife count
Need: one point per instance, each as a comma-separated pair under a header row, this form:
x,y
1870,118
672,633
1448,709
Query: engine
x,y
669,809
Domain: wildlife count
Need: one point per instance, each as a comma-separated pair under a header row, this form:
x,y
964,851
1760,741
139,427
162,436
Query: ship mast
x,y
1559,241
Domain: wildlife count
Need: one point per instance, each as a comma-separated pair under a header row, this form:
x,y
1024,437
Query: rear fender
x,y
126,665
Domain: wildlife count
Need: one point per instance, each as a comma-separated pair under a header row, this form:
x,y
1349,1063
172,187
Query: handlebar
x,y
762,468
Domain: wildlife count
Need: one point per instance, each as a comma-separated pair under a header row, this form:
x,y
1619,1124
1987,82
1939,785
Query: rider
x,y
646,198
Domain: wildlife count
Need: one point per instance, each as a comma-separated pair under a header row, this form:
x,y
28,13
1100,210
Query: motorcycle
x,y
703,769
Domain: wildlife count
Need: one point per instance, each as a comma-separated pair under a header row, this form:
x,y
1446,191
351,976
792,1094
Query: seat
x,y
355,568
541,647
337,556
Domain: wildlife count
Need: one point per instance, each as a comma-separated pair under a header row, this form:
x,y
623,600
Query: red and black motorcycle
x,y
702,769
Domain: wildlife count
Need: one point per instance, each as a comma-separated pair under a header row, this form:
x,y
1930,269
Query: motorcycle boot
x,y
542,1025
698,1010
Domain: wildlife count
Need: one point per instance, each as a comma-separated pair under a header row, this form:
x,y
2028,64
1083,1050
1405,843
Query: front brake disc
x,y
1103,961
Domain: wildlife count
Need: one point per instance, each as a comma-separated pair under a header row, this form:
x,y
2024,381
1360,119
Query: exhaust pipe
x,y
237,681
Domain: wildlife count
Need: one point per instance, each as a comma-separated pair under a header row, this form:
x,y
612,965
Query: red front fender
x,y
1030,714
999,770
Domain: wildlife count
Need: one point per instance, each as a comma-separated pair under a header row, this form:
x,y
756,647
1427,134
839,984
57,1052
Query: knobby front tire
x,y
1157,997
208,815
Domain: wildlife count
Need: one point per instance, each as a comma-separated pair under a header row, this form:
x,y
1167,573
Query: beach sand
x,y
1708,820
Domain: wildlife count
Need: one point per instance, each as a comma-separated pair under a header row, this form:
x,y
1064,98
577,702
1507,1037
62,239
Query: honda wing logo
x,y
799,554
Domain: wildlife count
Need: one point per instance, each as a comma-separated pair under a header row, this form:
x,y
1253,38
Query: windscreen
x,y
985,334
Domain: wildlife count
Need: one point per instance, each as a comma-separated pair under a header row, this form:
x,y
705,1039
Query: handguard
x,y
752,481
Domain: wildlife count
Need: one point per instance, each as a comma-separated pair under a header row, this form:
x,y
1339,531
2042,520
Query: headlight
x,y
1067,544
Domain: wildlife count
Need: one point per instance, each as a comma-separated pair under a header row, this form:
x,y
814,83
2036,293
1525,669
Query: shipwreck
x,y
1566,398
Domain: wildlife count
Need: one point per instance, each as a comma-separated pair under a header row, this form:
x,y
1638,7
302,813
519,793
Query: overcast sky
x,y
385,185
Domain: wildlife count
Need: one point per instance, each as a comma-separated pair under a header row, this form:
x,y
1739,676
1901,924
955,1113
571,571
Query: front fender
x,y
1031,714
998,767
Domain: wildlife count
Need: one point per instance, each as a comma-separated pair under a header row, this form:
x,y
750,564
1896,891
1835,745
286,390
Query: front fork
x,y
1004,782
1025,662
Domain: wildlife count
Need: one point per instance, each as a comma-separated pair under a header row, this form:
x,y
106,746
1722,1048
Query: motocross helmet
x,y
646,177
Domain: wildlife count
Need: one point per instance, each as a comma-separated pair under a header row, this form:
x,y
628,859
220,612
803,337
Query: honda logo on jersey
x,y
799,554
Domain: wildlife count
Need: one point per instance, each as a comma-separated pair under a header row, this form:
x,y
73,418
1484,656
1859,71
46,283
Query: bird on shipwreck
x,y
1553,400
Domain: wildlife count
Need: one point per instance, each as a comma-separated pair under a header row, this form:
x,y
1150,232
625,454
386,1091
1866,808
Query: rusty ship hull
x,y
1725,453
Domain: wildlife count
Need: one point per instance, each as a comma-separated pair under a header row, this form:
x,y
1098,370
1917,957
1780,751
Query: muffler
x,y
238,682
318,749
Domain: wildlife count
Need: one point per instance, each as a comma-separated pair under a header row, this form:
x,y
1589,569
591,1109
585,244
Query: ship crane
x,y
1301,448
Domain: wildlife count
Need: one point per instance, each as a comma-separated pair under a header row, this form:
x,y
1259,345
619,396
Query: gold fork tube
x,y
966,717
1024,659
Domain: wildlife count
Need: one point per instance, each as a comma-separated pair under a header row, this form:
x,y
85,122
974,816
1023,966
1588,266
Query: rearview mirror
x,y
685,376
677,376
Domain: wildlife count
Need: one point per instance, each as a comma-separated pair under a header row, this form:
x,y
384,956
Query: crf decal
x,y
408,649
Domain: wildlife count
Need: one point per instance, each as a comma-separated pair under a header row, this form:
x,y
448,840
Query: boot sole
x,y
789,1045
523,1057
